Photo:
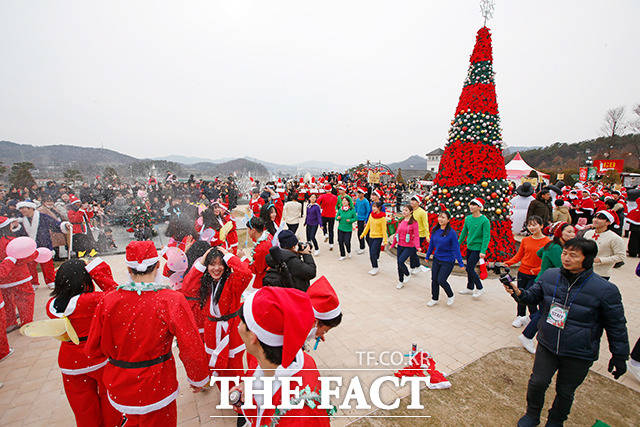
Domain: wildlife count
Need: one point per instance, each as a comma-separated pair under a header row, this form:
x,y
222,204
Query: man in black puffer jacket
x,y
289,266
577,305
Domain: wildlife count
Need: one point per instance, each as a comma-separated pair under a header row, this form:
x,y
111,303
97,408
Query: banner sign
x,y
583,173
604,165
591,174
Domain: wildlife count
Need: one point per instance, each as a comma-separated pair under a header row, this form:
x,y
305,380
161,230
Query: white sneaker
x,y
450,300
527,343
400,285
360,251
326,237
406,279
342,258
8,354
432,302
517,322
316,252
374,271
349,254
466,291
634,369
477,293
424,268
330,247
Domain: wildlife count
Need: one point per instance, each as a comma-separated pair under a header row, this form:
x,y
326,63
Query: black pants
x,y
328,223
472,277
635,353
414,260
292,227
374,250
634,240
440,271
344,240
404,252
361,225
311,235
571,373
525,281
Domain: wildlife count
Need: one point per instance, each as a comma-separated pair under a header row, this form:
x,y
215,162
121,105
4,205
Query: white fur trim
x,y
6,222
2,304
71,306
199,383
83,370
234,351
63,226
139,410
25,204
608,215
93,264
12,284
263,335
12,259
143,265
227,257
328,315
198,266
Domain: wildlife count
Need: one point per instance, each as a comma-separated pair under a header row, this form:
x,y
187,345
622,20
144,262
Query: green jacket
x,y
346,219
550,258
477,232
339,202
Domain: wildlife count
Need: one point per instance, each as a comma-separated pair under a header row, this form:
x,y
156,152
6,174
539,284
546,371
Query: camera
x,y
503,274
302,246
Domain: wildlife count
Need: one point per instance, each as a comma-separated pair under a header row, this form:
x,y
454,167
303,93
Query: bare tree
x,y
634,124
614,123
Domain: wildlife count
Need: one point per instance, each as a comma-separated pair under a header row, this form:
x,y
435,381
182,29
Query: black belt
x,y
142,364
223,318
192,298
82,338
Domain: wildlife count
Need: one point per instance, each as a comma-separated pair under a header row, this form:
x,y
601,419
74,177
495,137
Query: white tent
x,y
518,168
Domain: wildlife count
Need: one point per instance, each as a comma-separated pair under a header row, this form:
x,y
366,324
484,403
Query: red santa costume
x,y
6,266
255,204
134,327
283,317
79,219
82,374
211,235
15,286
221,338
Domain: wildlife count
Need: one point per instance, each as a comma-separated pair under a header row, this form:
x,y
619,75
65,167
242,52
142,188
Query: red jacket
x,y
19,273
259,264
327,203
256,205
132,327
221,338
305,367
72,358
79,220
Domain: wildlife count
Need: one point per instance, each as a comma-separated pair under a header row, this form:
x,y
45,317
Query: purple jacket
x,y
314,215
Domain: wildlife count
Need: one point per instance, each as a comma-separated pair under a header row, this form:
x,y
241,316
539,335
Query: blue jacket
x,y
596,305
363,209
445,248
43,237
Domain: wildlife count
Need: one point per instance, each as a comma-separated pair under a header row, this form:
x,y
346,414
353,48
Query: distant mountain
x,y
61,155
239,166
517,148
191,160
413,162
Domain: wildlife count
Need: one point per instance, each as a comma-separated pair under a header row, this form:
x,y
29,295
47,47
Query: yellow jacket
x,y
377,227
420,215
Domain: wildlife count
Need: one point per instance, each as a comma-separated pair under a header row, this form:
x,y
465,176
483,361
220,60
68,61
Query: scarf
x,y
31,227
377,215
142,287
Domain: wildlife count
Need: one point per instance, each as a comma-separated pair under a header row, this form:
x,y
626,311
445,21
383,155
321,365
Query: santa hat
x,y
377,193
327,187
611,216
633,217
141,255
362,190
4,221
437,380
324,299
478,201
73,199
342,187
555,229
220,204
26,204
280,317
417,198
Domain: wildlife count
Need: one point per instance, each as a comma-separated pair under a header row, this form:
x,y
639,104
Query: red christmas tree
x,y
472,164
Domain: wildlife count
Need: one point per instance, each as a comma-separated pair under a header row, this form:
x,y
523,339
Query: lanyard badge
x,y
557,315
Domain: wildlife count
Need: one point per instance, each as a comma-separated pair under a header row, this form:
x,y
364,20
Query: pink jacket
x,y
404,230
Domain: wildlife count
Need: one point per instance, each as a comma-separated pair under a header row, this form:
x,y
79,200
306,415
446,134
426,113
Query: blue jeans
x,y
311,235
374,251
472,277
532,328
525,281
404,252
361,225
440,271
344,240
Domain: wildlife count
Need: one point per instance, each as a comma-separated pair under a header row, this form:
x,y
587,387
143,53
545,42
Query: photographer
x,y
291,264
577,304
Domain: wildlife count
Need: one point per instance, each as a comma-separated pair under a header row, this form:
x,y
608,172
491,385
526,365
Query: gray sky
x,y
287,81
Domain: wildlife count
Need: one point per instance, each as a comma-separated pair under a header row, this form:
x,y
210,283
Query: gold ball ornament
x,y
484,183
445,191
457,203
498,211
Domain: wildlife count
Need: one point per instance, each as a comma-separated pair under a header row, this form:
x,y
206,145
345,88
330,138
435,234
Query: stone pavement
x,y
377,318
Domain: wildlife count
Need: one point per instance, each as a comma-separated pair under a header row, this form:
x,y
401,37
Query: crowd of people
x,y
266,304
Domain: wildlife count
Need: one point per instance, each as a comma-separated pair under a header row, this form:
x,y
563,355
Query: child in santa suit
x,y
256,202
257,260
326,310
80,215
218,280
75,299
6,266
39,226
278,351
134,327
15,285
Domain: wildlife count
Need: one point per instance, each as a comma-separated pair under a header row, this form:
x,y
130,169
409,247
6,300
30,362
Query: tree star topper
x,y
486,8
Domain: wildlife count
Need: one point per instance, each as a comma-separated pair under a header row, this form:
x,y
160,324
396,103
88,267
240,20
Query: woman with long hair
x,y
292,212
218,280
445,248
407,238
73,297
549,255
215,219
268,213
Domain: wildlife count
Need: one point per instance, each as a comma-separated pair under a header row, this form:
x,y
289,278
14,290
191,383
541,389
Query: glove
x,y
620,366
